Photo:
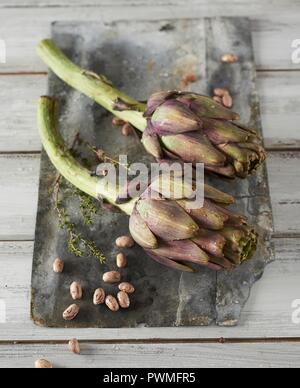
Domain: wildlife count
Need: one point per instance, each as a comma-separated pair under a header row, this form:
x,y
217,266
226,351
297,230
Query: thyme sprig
x,y
103,157
87,206
77,243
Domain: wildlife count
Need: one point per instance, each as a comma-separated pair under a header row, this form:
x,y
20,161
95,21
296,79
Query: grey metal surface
x,y
142,57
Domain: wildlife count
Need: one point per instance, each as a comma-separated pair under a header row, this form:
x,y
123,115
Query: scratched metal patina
x,y
140,58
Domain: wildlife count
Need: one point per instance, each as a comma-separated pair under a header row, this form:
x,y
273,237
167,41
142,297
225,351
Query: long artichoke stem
x,y
65,163
97,87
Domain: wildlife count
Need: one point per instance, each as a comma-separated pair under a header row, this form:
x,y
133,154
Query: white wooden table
x,y
268,335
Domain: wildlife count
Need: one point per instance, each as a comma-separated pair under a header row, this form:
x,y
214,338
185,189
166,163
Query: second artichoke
x,y
174,234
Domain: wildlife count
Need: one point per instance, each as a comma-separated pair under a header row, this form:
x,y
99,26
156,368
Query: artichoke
x,y
176,234
170,230
188,126
196,129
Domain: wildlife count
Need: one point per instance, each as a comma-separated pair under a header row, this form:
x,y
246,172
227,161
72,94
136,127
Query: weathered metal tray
x,y
142,57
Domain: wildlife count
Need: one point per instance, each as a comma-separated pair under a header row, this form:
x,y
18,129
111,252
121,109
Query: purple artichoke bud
x,y
157,99
221,131
196,129
221,262
241,243
218,196
172,187
209,216
181,250
140,231
167,219
211,242
176,236
174,117
152,144
245,160
228,171
170,263
205,106
194,147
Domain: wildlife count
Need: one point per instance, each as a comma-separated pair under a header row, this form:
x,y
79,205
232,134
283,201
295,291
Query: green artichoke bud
x,y
197,129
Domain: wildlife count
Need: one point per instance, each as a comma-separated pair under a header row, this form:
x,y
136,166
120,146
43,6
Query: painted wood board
x,y
269,33
162,3
273,28
246,355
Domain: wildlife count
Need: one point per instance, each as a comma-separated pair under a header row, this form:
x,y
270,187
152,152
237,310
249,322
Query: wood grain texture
x,y
156,356
268,312
18,96
18,196
280,113
283,168
19,187
279,99
273,29
217,6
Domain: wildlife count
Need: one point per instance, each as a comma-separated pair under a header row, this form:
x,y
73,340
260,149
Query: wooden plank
x,y
18,196
268,312
19,186
254,6
295,252
18,97
280,113
283,168
273,33
287,249
272,41
274,355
